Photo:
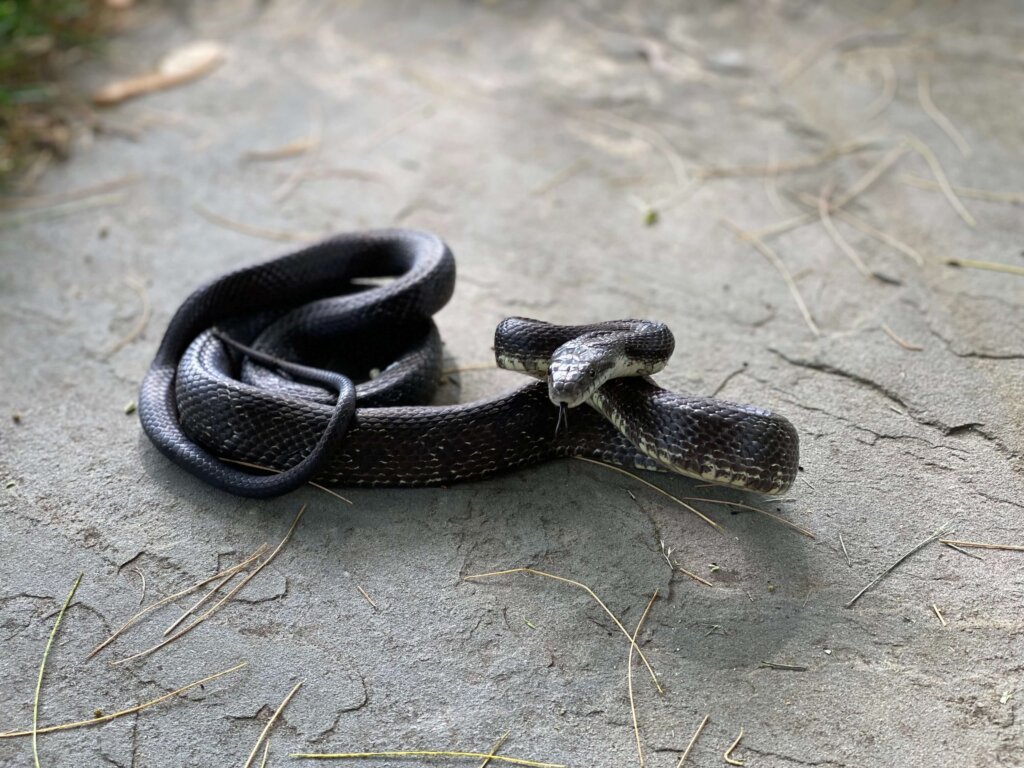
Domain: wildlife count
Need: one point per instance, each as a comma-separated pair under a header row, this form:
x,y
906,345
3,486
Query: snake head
x,y
577,369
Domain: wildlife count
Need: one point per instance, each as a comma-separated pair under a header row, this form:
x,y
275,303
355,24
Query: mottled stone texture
x,y
567,152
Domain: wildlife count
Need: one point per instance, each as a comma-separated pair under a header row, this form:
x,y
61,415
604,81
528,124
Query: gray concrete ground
x,y
536,139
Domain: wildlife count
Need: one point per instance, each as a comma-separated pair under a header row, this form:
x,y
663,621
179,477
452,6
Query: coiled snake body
x,y
226,384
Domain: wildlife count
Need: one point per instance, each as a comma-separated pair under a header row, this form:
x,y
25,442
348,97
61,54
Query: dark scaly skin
x,y
201,401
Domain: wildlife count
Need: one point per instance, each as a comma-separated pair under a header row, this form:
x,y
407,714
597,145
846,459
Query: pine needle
x,y
982,545
781,268
961,550
837,237
196,605
629,678
176,596
924,95
323,488
728,753
1014,198
123,712
253,231
145,312
62,198
367,597
991,266
269,725
662,491
691,574
313,141
872,175
938,533
878,234
859,187
210,611
494,750
590,592
905,344
422,753
845,553
42,669
890,84
788,523
940,177
865,227
693,740
266,751
775,167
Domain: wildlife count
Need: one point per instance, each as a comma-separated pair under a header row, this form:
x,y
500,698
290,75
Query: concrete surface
x,y
535,138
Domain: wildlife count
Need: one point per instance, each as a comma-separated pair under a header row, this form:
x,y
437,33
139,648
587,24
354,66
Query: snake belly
x,y
315,320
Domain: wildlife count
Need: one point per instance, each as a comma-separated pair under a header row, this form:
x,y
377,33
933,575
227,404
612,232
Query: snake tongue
x,y
563,418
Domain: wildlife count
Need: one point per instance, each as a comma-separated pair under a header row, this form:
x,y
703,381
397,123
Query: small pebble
x,y
130,408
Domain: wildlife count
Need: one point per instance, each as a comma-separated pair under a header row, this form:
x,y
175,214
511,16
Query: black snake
x,y
226,384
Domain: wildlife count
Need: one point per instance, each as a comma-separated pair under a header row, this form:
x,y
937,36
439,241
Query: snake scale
x,y
258,367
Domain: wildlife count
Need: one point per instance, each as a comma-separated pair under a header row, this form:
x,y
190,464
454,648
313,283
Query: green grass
x,y
36,39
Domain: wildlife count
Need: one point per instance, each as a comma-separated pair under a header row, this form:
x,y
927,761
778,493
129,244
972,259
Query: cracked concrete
x,y
536,139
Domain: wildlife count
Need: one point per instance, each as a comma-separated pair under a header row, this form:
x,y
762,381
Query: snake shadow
x,y
570,518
